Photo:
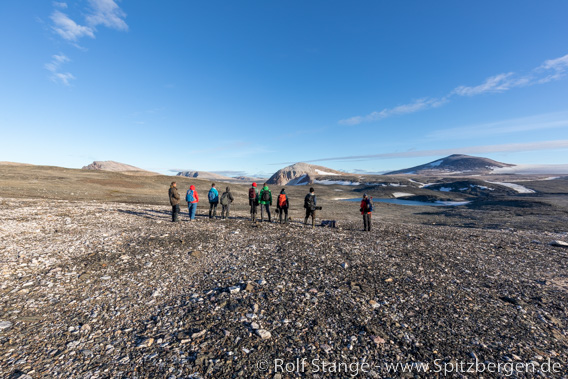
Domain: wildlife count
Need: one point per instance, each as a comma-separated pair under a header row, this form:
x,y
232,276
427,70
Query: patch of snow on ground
x,y
419,184
516,187
436,163
325,173
476,185
397,185
445,189
481,187
402,194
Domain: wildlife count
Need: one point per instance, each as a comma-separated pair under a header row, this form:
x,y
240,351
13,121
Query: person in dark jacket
x,y
265,200
253,201
366,209
174,201
282,205
226,200
213,197
310,203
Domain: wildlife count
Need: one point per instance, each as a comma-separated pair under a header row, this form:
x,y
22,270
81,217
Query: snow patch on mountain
x,y
321,172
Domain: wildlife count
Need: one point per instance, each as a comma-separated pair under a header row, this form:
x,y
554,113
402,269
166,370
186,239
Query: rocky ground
x,y
113,290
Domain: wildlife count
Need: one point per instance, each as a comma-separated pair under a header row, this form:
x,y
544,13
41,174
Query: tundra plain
x,y
98,283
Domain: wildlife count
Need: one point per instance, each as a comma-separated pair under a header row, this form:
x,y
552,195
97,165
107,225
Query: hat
x,y
364,195
254,184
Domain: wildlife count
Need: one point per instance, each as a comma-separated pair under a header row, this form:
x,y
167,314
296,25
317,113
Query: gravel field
x,y
115,290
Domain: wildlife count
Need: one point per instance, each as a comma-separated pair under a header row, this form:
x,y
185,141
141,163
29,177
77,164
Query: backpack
x,y
309,202
225,199
212,196
265,195
252,193
189,196
281,200
369,202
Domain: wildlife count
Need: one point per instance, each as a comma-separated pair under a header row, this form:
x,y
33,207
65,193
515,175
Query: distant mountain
x,y
247,179
456,164
4,163
205,175
300,174
116,166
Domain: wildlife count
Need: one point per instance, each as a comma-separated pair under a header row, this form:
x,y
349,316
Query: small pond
x,y
414,202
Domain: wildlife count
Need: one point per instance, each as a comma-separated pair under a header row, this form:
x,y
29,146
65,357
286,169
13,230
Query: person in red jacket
x,y
366,209
192,199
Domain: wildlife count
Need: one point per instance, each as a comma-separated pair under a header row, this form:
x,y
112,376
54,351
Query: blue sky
x,y
247,87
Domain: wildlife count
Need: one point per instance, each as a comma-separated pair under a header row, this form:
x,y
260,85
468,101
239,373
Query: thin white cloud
x,y
101,12
54,66
550,70
497,83
413,107
555,69
64,77
512,147
69,29
107,13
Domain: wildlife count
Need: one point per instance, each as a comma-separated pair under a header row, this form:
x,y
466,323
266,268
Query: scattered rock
x,y
264,334
198,334
5,325
252,295
234,289
374,304
559,244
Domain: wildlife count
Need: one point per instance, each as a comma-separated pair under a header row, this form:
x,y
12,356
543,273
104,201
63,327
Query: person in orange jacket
x,y
366,209
192,199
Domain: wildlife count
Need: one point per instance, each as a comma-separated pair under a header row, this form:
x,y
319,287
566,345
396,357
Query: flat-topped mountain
x,y
113,166
300,173
454,164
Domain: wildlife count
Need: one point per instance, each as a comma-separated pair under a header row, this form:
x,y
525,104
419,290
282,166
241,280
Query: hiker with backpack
x,y
282,206
213,197
265,202
366,209
310,204
192,199
174,201
226,200
253,201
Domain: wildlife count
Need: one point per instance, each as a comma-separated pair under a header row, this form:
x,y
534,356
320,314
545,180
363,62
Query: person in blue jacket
x,y
213,197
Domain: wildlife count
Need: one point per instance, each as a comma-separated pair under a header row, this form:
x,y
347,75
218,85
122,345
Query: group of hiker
x,y
257,199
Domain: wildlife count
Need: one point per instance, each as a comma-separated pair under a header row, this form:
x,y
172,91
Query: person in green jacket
x,y
265,197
